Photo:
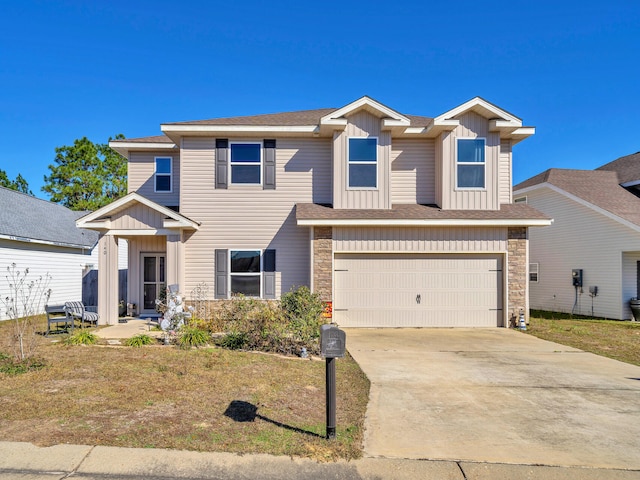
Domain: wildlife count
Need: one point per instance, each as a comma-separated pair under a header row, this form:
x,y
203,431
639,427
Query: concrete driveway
x,y
496,395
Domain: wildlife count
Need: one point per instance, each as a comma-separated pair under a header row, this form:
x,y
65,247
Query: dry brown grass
x,y
619,340
164,397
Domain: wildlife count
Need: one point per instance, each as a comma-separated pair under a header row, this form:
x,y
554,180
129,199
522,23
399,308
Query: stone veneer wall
x,y
517,251
323,262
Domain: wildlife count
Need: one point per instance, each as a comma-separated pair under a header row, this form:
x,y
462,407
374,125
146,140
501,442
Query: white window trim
x,y
247,274
349,187
260,164
484,164
156,174
534,267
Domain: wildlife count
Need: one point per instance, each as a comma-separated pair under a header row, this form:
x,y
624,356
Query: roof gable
x,y
100,219
391,117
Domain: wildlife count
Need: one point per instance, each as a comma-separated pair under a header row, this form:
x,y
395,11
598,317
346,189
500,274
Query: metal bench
x,y
77,311
56,314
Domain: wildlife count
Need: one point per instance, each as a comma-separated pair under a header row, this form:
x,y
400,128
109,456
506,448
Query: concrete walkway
x,y
497,396
133,326
23,461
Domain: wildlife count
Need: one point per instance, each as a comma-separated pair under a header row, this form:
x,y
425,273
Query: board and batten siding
x,y
248,217
65,265
361,124
137,217
581,238
420,239
413,171
504,173
141,176
471,125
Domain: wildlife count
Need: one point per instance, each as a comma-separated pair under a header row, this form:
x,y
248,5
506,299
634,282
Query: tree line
x,y
85,175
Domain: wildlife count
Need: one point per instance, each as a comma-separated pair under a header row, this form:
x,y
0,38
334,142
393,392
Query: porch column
x,y
175,262
108,280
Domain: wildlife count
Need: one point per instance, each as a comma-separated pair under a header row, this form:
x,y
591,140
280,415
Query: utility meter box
x,y
333,341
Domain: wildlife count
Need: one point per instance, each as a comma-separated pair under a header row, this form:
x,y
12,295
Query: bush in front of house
x,y
282,327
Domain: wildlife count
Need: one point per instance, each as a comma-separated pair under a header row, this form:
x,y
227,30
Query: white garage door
x,y
398,290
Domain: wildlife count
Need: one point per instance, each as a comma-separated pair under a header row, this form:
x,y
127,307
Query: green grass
x,y
619,340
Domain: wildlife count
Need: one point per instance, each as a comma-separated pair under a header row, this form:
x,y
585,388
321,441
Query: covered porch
x,y
156,236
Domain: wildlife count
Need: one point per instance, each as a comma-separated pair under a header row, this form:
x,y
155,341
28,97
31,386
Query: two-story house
x,y
398,220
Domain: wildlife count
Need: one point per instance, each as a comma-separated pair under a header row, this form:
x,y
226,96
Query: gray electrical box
x,y
333,341
576,277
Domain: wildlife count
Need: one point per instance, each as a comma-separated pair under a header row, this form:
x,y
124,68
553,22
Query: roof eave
x,y
524,222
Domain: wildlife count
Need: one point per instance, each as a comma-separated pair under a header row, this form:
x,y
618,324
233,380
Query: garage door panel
x,y
418,290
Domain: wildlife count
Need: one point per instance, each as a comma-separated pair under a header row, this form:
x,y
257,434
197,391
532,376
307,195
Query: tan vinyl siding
x,y
413,171
439,169
581,238
362,124
472,125
451,239
504,172
141,177
248,217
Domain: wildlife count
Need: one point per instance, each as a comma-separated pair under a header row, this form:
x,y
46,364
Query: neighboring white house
x,y
398,220
43,237
596,233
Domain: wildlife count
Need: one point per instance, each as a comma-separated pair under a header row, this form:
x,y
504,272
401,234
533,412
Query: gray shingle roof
x,y
26,217
597,187
286,119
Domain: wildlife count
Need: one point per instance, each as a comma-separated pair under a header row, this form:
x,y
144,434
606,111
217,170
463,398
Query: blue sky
x,y
70,69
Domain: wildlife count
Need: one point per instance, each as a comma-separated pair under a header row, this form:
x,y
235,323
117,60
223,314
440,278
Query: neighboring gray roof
x,y
29,218
627,168
597,187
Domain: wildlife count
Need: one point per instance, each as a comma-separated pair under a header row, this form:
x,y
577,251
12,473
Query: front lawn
x,y
207,399
619,340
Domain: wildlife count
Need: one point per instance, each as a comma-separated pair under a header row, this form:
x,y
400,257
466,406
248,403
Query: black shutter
x,y
222,162
269,165
269,273
221,263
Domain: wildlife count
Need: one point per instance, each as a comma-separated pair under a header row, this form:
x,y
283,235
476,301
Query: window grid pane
x,y
363,149
248,285
245,261
163,183
245,153
163,165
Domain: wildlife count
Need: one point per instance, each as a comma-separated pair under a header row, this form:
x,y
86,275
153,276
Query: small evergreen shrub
x,y
139,340
82,337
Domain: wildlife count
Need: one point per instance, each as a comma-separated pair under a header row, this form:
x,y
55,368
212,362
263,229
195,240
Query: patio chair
x,y
56,314
77,310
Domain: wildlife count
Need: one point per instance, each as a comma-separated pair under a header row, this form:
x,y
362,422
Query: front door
x,y
153,280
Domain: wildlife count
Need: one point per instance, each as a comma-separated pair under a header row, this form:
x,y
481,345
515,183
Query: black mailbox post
x,y
332,345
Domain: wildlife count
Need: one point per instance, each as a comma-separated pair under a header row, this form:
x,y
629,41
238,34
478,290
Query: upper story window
x,y
470,163
246,163
534,272
163,181
363,162
520,200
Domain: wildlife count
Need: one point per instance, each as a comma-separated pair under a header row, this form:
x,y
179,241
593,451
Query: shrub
x,y
233,341
139,340
283,327
192,337
82,337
